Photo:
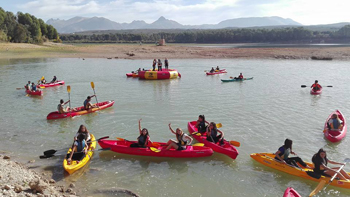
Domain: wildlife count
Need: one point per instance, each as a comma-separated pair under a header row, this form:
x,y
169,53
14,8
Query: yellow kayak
x,y
268,159
74,166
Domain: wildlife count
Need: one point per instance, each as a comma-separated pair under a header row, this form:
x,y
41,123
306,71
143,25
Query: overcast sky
x,y
187,12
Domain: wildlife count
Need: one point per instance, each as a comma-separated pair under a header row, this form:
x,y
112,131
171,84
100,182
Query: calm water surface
x,y
259,113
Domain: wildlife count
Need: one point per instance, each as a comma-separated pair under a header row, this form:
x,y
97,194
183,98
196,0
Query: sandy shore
x,y
134,51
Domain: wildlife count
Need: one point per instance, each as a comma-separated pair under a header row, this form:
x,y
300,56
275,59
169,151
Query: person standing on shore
x,y
166,63
159,65
154,64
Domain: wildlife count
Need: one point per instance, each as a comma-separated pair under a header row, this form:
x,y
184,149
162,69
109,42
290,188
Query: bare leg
x,y
172,145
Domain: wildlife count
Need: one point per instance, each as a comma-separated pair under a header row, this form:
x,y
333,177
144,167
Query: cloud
x,y
191,11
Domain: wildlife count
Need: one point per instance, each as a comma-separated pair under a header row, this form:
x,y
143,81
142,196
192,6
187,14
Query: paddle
x,y
323,182
235,143
52,151
68,90
156,150
48,156
93,87
304,86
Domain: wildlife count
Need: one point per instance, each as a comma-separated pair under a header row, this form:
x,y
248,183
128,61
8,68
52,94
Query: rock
x,y
73,193
51,181
6,157
72,185
31,161
7,187
69,190
61,189
18,189
37,185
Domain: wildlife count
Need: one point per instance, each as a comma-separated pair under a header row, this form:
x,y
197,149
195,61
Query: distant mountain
x,y
78,24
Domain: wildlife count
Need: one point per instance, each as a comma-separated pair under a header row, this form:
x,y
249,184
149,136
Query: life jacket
x,y
317,163
85,104
201,127
336,123
180,139
240,76
143,140
81,146
214,133
316,85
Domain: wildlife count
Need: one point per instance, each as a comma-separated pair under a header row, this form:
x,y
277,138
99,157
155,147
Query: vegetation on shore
x,y
25,28
246,35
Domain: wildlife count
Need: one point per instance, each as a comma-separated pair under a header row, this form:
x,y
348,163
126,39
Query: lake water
x,y
259,113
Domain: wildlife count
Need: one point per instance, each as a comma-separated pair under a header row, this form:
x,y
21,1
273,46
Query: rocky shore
x,y
17,180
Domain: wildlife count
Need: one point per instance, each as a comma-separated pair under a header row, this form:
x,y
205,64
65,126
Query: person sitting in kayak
x,y
182,140
154,64
87,103
212,70
33,87
143,140
282,155
79,146
212,134
200,125
43,81
316,86
320,161
240,76
217,69
54,79
60,107
335,123
28,86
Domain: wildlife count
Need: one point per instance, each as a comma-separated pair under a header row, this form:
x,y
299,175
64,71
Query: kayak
x,y
290,192
217,72
123,146
267,159
335,135
79,111
36,93
129,74
74,166
226,148
57,83
316,92
232,80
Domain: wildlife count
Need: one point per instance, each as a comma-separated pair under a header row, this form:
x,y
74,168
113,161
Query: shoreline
x,y
172,51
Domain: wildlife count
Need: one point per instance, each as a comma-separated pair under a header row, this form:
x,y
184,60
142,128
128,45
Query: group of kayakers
x,y
82,143
159,62
214,70
319,160
87,105
31,86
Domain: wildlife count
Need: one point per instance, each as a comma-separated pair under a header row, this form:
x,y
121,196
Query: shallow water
x,y
259,113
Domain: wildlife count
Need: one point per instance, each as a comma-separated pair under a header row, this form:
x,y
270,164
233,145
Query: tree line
x,y
25,28
291,34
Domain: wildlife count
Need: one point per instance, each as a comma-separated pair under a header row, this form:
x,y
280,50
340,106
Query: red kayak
x,y
57,83
335,135
123,146
36,93
129,74
226,149
217,72
80,111
290,192
317,92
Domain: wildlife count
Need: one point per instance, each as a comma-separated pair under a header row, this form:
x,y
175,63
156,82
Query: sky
x,y
186,12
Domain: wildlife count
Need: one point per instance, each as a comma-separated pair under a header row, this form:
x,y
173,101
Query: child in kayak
x,y
212,134
143,139
182,140
316,86
200,125
79,146
87,103
335,123
320,162
283,153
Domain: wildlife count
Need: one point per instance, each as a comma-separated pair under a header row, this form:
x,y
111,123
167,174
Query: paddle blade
x,y
68,89
120,139
303,86
198,144
156,150
42,78
330,86
92,85
155,144
196,133
50,152
235,143
219,125
318,188
42,87
45,156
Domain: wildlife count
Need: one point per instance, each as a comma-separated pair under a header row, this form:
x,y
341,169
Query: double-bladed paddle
x,y
48,156
304,86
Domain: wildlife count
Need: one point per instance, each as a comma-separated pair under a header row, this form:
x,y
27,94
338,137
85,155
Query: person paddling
x,y
212,70
54,79
335,124
217,69
182,140
320,161
143,140
79,146
282,155
316,86
212,134
33,87
60,107
87,103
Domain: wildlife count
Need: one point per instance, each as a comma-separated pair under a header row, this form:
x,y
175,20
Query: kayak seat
x,y
76,156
